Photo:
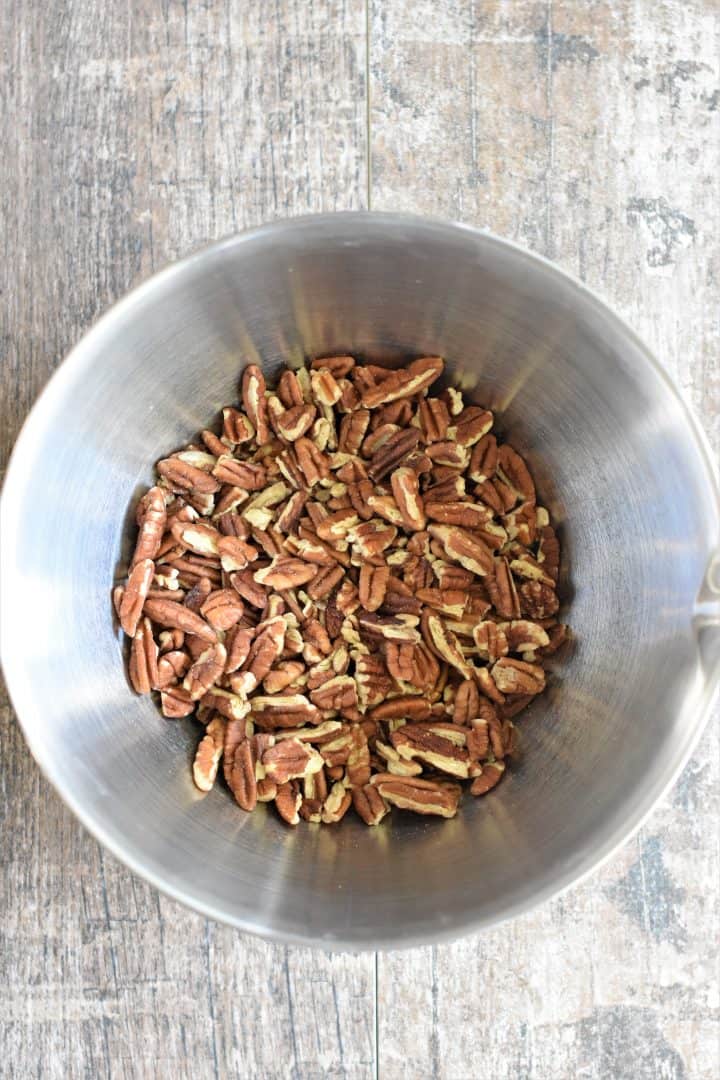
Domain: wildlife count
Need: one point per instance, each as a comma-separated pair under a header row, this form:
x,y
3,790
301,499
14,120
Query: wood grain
x,y
589,132
132,134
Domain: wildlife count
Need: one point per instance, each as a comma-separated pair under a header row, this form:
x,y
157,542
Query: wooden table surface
x,y
133,133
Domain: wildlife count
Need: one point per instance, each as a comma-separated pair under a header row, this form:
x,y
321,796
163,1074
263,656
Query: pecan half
x,y
176,617
406,489
135,594
423,797
152,516
208,755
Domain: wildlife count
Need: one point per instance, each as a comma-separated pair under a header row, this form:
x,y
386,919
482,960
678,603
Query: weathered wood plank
x,y
132,134
590,133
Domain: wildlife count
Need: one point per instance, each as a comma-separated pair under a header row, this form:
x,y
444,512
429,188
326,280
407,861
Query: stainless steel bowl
x,y
619,460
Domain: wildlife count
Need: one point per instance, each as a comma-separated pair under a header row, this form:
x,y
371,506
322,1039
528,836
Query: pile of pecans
x,y
353,588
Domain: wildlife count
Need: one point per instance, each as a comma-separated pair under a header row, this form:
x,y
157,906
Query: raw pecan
x,y
242,474
152,516
501,589
483,460
515,473
289,760
372,585
222,609
254,403
185,477
416,742
283,711
353,429
407,706
464,548
468,515
241,776
208,755
336,804
412,663
226,703
467,702
171,668
143,668
266,648
518,677
206,670
448,453
286,573
282,676
537,600
288,801
406,489
337,693
492,774
524,636
244,584
293,423
491,641
423,797
373,680
392,453
444,644
168,613
135,594
339,366
312,463
235,554
176,702
434,419
369,804
450,602
401,384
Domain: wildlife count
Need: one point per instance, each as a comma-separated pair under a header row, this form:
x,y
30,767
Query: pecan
x,y
237,429
241,474
491,641
254,402
491,774
227,704
369,804
464,548
175,616
206,670
468,515
412,663
336,804
266,648
337,693
339,366
549,552
289,760
353,428
282,676
324,387
515,474
293,423
135,594
372,585
222,609
524,636
448,453
286,573
406,489
483,460
209,752
537,600
245,586
389,627
423,797
171,668
283,711
143,668
241,776
185,477
434,419
384,506
176,702
420,743
235,554
152,516
467,702
406,705
372,538
518,677
444,644
451,602
373,681
312,463
501,589
288,801
401,384
524,566
392,453
358,763
472,425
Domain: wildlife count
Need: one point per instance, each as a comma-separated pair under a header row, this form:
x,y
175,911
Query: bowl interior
x,y
616,462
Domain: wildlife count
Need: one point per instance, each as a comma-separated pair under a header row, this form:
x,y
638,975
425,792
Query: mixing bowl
x,y
618,460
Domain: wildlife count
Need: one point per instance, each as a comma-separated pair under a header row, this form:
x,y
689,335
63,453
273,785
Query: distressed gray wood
x,y
132,134
591,133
